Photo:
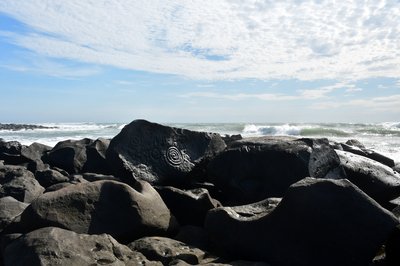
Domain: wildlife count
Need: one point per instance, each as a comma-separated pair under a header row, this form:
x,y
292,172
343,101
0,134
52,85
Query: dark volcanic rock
x,y
166,250
69,155
50,177
194,236
369,154
102,207
188,206
56,246
10,152
8,172
255,169
318,222
96,157
159,154
16,127
379,181
9,209
23,188
392,248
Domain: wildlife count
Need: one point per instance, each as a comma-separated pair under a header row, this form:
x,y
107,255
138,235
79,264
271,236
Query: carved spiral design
x,y
174,156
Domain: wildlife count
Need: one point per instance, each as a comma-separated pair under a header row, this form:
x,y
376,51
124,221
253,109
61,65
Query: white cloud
x,y
307,40
389,103
240,96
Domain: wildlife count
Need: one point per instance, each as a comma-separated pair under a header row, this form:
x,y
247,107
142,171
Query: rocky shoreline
x,y
17,127
157,195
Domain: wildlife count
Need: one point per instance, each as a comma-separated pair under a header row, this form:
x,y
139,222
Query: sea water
x,y
382,137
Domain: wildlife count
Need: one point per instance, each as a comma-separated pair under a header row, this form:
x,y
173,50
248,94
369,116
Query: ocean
x,y
381,137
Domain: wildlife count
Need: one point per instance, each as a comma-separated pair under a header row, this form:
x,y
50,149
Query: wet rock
x,y
255,169
376,156
22,188
188,206
56,246
98,207
166,250
160,154
333,223
9,209
377,180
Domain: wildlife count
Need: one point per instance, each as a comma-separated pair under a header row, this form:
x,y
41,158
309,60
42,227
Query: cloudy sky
x,y
199,61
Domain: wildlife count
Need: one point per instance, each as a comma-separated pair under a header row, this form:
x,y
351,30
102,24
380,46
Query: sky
x,y
199,61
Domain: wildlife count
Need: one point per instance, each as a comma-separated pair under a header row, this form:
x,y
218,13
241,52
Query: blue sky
x,y
199,61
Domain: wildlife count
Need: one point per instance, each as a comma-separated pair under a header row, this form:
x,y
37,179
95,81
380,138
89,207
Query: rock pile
x,y
157,195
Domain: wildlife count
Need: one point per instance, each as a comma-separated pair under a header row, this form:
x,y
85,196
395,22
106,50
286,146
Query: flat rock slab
x,y
318,222
159,154
56,246
102,207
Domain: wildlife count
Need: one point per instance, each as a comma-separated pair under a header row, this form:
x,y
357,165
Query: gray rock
x,y
98,207
9,209
49,177
91,177
56,246
8,172
194,236
23,188
188,206
255,169
58,186
379,181
166,250
318,222
160,154
376,156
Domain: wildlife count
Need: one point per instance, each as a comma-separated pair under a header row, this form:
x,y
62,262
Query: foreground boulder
x,y
56,246
102,207
159,154
318,222
22,188
255,169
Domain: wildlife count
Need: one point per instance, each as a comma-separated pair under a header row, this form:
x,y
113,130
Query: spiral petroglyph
x,y
174,156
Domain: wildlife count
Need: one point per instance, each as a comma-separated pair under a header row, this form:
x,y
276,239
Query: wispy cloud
x,y
43,66
124,82
386,103
306,40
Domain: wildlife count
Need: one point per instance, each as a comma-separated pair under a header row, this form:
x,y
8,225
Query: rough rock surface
x,y
22,188
159,154
9,209
56,246
50,177
102,207
318,222
166,250
255,169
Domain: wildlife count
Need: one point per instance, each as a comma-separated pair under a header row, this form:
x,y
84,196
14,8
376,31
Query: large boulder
x,y
10,152
56,246
8,172
379,181
188,206
69,155
23,188
254,169
318,222
376,156
98,207
10,208
159,154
